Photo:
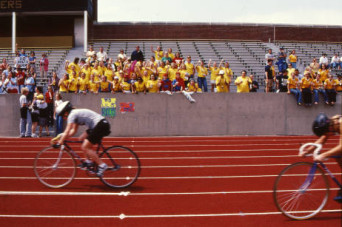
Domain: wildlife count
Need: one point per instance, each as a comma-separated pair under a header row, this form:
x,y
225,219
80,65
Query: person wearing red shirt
x,y
21,76
49,100
178,59
166,84
178,83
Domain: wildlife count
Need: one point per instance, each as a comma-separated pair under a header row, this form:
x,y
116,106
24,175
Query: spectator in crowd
x,y
178,83
50,103
137,55
281,80
21,76
30,85
158,54
242,82
254,86
171,55
101,55
161,70
7,70
281,61
139,86
269,76
228,73
293,59
54,81
109,73
58,118
172,71
335,62
314,65
202,73
178,59
222,84
35,111
116,87
73,66
318,87
90,53
4,65
104,85
269,56
32,60
339,83
329,86
190,68
214,70
298,75
25,115
16,60
122,55
166,84
93,85
83,84
64,84
166,59
11,83
73,82
193,87
2,84
126,85
43,115
290,69
293,87
323,72
324,61
306,84
86,70
44,66
152,85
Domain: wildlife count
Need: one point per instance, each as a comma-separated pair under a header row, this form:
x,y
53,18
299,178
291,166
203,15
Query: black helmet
x,y
63,107
321,124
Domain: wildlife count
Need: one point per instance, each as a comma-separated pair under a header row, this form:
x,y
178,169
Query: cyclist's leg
x,y
87,148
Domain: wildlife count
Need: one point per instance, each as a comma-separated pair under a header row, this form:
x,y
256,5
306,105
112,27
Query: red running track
x,y
185,181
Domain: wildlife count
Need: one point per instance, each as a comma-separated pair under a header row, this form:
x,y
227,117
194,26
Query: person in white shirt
x,y
101,55
269,55
122,55
11,83
324,60
335,62
90,52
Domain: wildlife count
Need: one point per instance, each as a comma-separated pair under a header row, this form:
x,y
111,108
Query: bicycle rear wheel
x,y
123,167
54,168
301,190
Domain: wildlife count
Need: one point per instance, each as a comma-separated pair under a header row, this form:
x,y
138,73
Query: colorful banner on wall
x,y
108,107
127,107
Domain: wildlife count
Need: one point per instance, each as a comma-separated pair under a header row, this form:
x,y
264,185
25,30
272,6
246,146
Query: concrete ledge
x,y
212,114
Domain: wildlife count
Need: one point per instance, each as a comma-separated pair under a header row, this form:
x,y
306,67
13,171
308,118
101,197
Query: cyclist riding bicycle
x,y
98,127
325,127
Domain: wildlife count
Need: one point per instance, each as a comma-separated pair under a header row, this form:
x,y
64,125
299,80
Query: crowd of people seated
x,y
316,79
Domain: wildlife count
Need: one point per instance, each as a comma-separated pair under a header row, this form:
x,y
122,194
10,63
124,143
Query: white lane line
x,y
162,178
124,216
128,193
179,166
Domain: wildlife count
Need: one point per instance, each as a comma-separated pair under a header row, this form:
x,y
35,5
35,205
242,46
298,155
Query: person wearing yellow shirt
x,y
73,81
125,85
317,87
116,87
323,72
290,70
172,71
93,85
190,68
158,54
228,72
338,83
104,84
87,71
242,83
222,84
171,55
83,84
193,87
329,85
202,73
152,85
306,84
161,70
293,59
292,87
97,72
214,71
139,86
64,84
109,73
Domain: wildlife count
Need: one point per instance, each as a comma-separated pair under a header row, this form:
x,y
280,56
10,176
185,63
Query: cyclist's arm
x,y
310,149
70,130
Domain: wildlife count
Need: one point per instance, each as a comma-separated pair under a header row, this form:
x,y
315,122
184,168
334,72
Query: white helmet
x,y
64,107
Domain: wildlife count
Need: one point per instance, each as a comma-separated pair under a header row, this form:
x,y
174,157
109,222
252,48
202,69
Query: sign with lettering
x,y
22,61
127,107
108,107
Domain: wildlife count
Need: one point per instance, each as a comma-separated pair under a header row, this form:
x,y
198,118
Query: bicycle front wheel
x,y
123,167
301,190
54,168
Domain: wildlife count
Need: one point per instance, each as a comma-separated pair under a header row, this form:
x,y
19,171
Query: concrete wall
x,y
212,114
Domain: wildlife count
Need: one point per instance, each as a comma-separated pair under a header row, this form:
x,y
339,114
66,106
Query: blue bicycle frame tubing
x,y
309,177
331,175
